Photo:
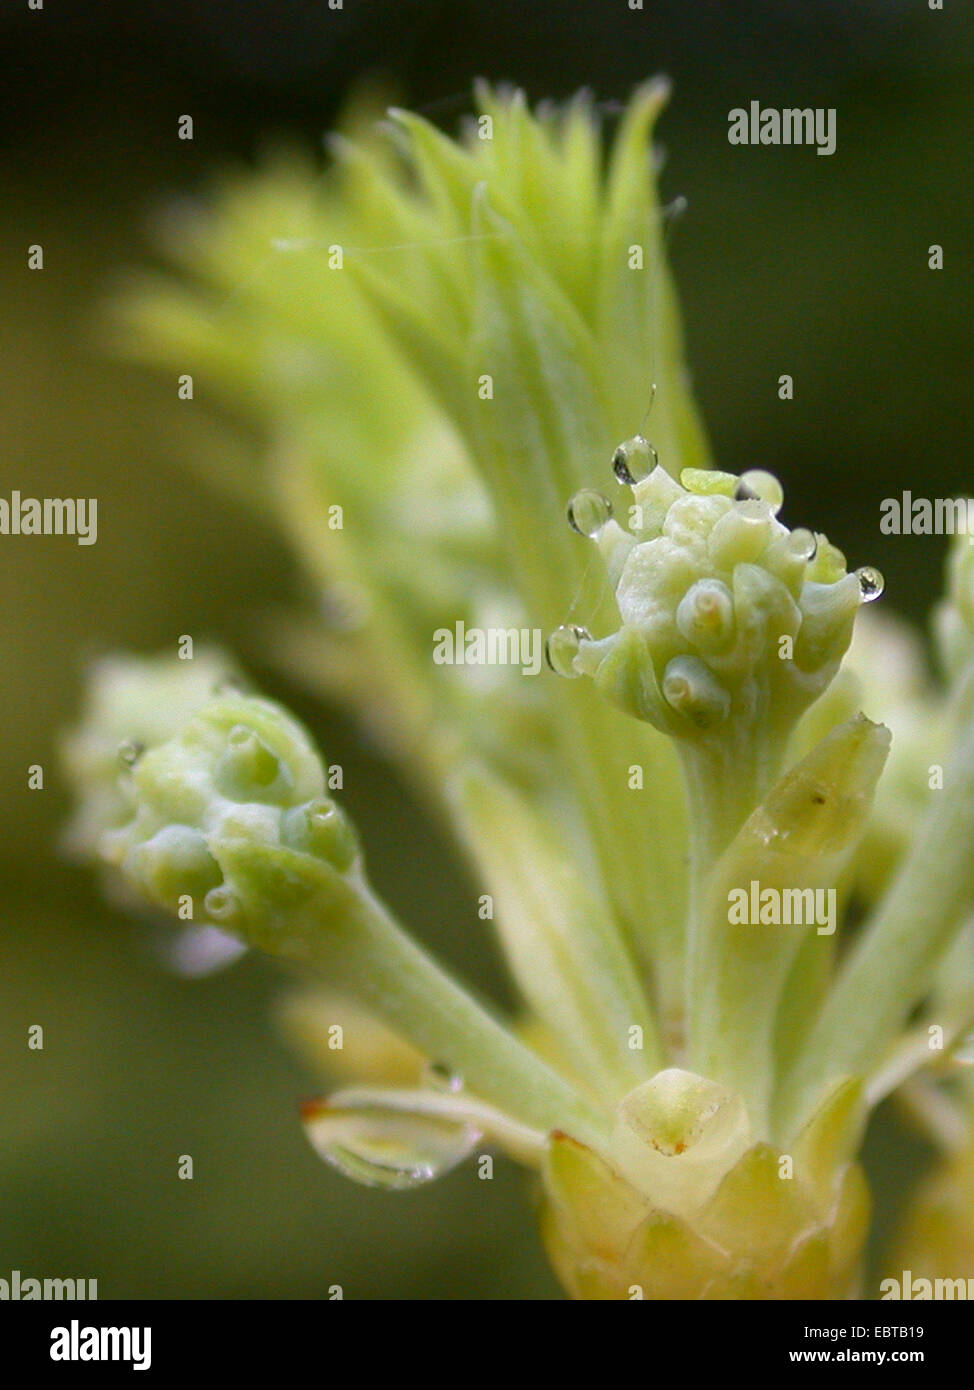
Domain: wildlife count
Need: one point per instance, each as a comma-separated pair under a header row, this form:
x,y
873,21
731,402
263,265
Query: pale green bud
x,y
133,704
684,1203
742,621
172,862
225,812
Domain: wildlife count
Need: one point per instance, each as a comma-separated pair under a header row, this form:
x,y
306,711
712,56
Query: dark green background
x,y
787,262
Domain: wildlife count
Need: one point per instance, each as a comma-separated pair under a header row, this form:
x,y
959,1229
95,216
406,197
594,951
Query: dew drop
x,y
634,460
757,483
871,583
381,1146
561,648
588,512
130,751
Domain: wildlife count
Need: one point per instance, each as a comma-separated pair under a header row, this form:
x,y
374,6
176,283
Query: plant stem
x,y
891,966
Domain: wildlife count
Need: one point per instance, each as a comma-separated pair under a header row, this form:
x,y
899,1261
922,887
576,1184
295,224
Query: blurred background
x,y
787,263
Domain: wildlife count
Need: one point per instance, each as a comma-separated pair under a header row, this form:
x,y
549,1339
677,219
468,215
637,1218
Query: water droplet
x,y
634,460
871,583
757,483
802,544
370,1140
588,512
130,751
439,1077
561,648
